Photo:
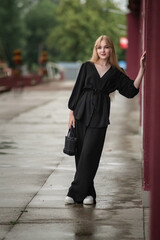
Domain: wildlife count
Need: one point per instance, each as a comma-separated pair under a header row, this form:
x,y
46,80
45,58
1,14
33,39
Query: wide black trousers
x,y
90,146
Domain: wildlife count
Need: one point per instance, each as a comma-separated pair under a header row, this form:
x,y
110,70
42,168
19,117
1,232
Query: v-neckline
x,y
104,72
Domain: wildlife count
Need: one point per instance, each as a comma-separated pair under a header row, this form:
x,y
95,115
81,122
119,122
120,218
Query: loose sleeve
x,y
125,86
77,89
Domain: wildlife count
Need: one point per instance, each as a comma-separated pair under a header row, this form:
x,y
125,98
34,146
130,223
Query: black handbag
x,y
70,146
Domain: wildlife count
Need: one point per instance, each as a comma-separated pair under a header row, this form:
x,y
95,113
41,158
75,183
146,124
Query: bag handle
x,y
71,132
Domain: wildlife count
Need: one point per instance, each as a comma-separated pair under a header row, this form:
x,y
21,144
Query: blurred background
x,y
48,39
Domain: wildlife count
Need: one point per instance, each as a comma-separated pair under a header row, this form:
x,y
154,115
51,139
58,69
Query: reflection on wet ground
x,y
6,145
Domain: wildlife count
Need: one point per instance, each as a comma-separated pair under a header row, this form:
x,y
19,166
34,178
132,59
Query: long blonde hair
x,y
112,59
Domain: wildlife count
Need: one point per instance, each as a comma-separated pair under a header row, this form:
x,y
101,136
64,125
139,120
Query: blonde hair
x,y
112,59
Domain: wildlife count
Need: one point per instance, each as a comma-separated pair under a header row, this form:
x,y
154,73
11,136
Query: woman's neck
x,y
102,62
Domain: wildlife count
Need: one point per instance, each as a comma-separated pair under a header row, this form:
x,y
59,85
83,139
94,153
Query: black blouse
x,y
90,99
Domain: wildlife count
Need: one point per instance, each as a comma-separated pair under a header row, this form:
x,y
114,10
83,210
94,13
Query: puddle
x,y
7,145
6,166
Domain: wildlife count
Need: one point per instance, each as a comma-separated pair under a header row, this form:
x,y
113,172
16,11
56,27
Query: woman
x,y
89,106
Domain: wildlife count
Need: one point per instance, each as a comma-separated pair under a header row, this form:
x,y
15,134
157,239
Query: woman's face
x,y
103,50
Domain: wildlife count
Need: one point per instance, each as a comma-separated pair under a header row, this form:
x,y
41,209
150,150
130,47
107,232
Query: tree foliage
x,y
67,29
79,25
39,22
10,29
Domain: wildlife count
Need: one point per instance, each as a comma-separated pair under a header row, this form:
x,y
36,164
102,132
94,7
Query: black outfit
x,y
90,103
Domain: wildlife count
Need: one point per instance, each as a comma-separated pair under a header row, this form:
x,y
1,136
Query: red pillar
x,y
147,114
133,45
136,37
152,111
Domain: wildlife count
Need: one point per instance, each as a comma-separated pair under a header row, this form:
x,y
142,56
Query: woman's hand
x,y
143,61
71,120
139,77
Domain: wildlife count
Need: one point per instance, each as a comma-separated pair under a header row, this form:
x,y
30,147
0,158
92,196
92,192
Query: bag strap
x,y
71,132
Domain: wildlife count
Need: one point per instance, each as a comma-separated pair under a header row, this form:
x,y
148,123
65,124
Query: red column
x,y
133,45
152,111
147,114
135,37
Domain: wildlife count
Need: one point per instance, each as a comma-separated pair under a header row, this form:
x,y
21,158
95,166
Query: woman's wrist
x,y
71,112
142,69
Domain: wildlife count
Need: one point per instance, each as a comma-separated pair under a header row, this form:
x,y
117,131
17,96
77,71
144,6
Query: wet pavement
x,y
35,174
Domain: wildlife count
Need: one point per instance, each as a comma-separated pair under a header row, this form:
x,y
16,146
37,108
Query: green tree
x,y
10,29
65,28
39,21
79,25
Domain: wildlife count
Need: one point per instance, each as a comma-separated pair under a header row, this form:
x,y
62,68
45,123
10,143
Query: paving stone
x,y
4,229
8,215
72,231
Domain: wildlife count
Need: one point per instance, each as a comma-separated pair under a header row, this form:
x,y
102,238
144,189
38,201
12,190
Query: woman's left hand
x,y
143,61
140,74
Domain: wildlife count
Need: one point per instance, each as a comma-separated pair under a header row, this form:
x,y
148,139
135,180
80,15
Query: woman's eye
x,y
106,47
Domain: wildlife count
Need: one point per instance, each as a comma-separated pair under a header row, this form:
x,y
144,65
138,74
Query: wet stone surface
x,y
35,174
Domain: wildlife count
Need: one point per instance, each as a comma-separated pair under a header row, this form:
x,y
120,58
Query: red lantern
x,y
124,42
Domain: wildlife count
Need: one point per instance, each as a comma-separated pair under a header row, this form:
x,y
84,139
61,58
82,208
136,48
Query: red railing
x,y
20,81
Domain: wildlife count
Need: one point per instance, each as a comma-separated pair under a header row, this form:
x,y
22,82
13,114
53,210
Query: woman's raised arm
x,y
140,74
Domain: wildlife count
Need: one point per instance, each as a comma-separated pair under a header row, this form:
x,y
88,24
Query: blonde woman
x,y
89,106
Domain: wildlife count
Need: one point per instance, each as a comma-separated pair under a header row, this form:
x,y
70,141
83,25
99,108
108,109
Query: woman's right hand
x,y
71,119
